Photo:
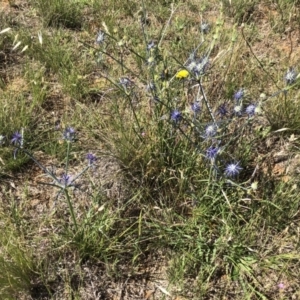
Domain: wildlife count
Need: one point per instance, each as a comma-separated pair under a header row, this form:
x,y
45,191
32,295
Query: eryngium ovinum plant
x,y
64,182
175,130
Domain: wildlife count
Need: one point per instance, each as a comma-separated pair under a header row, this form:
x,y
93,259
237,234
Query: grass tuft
x,y
60,13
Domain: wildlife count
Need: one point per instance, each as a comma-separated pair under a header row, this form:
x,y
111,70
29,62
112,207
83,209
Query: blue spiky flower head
x,y
233,169
201,66
65,180
210,130
125,82
150,45
238,95
211,152
222,110
91,158
198,66
100,37
290,76
17,139
204,27
176,115
195,107
250,110
69,134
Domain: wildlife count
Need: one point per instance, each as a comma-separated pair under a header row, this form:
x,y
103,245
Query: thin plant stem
x,y
67,158
143,27
71,208
206,102
168,23
112,57
256,58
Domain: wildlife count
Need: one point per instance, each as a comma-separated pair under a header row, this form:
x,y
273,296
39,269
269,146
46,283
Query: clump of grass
x,y
16,260
241,11
24,114
53,53
284,113
60,13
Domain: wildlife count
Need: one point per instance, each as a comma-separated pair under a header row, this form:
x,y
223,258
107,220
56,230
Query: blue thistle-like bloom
x,y
201,66
176,115
195,107
100,37
222,110
238,95
150,45
17,139
125,82
290,76
91,158
250,110
192,56
211,152
192,63
204,27
210,130
69,134
65,180
232,169
198,66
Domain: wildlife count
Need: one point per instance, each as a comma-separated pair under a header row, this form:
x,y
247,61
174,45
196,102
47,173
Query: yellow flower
x,y
182,74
